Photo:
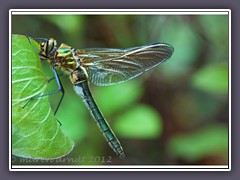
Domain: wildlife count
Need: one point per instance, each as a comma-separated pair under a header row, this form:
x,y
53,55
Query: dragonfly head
x,y
48,49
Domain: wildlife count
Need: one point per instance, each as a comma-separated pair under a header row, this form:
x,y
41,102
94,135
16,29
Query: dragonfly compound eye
x,y
50,46
48,49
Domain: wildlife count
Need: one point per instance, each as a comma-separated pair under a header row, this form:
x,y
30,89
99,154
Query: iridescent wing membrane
x,y
107,66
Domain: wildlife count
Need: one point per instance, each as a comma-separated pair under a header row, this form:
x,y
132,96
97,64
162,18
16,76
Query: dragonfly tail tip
x,y
123,157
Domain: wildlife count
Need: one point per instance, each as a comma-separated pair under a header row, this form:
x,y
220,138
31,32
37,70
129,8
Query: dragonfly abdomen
x,y
83,90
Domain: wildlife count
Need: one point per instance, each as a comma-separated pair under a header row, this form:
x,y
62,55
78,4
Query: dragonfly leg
x,y
53,78
60,89
42,39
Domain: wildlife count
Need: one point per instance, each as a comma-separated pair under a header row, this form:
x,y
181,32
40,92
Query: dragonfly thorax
x,y
65,59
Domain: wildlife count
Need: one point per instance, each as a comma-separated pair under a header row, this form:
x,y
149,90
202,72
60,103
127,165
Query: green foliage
x,y
68,24
35,131
216,29
209,141
73,115
114,98
186,45
212,78
141,122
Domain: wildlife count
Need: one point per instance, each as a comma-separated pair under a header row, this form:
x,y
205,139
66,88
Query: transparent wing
x,y
107,66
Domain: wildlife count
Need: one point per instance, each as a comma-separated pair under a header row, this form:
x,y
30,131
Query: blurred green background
x,y
175,114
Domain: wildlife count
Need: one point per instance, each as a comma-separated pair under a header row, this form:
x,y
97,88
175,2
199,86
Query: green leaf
x,y
212,78
212,140
35,131
140,122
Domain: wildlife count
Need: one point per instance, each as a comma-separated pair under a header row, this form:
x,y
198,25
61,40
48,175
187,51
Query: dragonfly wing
x,y
111,66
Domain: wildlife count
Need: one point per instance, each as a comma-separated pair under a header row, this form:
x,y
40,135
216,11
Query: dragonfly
x,y
101,67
